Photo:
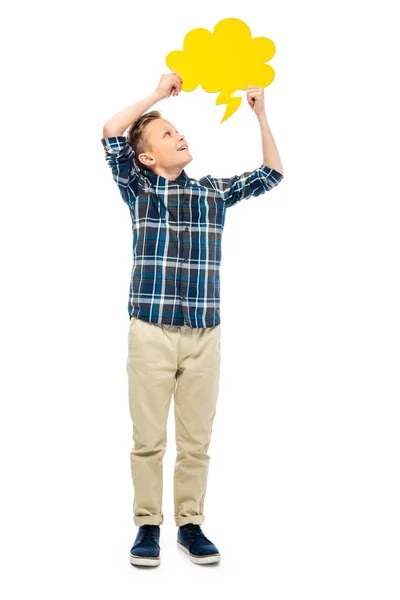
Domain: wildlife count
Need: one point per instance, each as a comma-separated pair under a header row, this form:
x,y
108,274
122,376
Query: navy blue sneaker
x,y
146,548
200,549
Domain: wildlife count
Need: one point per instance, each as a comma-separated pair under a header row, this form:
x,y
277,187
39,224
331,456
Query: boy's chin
x,y
187,160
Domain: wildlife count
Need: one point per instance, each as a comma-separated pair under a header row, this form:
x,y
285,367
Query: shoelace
x,y
149,531
195,531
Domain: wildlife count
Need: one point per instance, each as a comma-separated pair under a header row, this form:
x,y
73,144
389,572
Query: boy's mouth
x,y
182,148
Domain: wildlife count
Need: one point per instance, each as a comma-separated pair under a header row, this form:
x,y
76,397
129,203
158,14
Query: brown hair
x,y
136,135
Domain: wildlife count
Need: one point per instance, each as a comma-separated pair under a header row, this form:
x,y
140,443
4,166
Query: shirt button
x,y
186,228
183,297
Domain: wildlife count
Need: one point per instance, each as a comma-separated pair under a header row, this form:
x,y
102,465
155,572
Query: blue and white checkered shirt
x,y
177,230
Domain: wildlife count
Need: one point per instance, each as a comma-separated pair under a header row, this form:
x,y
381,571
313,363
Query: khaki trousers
x,y
165,360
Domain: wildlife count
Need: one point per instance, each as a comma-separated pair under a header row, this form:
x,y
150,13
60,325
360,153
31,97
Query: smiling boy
x,y
174,307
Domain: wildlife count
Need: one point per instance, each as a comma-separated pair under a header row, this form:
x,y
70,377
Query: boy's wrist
x,y
157,96
262,116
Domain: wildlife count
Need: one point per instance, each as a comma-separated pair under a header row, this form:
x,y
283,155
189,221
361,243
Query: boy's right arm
x,y
119,154
170,83
120,122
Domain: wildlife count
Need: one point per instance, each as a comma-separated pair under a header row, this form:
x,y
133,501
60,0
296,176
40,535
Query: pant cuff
x,y
196,519
157,519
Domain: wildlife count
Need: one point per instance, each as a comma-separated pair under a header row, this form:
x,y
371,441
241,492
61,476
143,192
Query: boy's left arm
x,y
265,177
256,101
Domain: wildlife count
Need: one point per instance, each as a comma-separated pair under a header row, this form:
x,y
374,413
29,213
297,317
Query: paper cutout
x,y
224,61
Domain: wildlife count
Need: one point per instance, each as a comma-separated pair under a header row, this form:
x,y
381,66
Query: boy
x,y
174,331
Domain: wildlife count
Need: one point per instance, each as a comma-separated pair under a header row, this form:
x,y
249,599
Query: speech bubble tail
x,y
232,106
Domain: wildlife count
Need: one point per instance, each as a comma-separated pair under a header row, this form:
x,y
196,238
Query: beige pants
x,y
166,360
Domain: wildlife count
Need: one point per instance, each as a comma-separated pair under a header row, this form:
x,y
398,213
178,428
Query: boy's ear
x,y
137,163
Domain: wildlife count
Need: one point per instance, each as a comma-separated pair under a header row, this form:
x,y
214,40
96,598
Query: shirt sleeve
x,y
120,158
250,183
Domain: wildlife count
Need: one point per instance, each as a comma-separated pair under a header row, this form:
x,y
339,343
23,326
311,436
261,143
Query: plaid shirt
x,y
177,230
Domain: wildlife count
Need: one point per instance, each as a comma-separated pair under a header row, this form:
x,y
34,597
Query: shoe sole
x,y
145,561
199,560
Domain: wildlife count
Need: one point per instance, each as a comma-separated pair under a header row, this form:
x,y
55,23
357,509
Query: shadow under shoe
x,y
146,548
197,546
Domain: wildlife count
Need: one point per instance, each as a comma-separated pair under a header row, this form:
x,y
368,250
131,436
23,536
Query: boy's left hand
x,y
255,98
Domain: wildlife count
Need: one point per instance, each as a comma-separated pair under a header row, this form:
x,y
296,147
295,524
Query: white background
x,y
303,489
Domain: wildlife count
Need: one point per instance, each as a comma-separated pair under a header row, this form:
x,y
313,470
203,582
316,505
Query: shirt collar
x,y
182,178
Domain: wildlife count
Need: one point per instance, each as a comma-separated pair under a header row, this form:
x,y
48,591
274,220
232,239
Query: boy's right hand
x,y
170,83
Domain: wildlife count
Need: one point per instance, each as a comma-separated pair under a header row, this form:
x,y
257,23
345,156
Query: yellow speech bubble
x,y
224,61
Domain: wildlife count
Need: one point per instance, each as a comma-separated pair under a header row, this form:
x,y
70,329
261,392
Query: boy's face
x,y
163,142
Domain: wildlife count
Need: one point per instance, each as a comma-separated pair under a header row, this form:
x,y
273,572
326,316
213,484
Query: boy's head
x,y
155,142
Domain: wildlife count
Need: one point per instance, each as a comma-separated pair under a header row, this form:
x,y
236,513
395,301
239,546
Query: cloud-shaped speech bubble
x,y
224,61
